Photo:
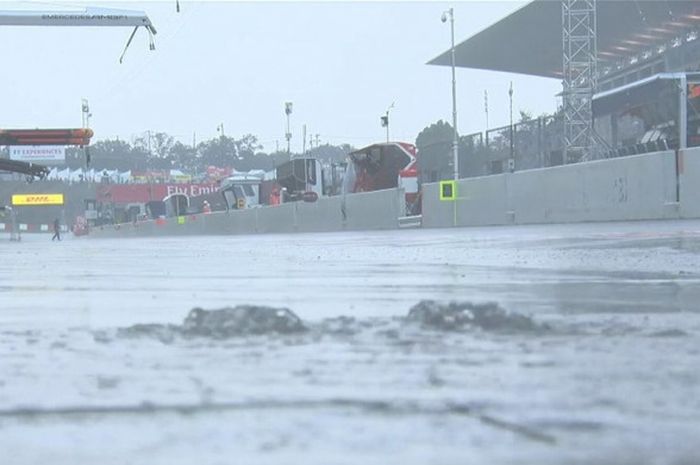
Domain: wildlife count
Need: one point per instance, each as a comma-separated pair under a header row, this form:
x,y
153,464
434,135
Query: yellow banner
x,y
37,199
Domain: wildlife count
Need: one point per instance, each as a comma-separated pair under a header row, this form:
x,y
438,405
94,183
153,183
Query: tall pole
x,y
512,147
683,113
288,135
85,111
85,107
486,108
303,135
455,140
387,126
387,120
306,162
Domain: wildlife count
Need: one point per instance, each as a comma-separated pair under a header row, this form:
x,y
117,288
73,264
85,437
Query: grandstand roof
x,y
529,41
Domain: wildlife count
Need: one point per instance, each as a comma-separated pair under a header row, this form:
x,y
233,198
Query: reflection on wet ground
x,y
589,354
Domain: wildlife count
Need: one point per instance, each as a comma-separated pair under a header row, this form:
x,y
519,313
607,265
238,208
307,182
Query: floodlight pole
x,y
387,121
387,125
288,135
455,139
683,113
512,142
486,108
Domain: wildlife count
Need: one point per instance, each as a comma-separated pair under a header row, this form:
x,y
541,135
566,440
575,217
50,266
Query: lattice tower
x,y
579,66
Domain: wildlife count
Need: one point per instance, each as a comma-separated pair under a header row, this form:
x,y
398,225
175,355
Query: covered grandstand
x,y
641,91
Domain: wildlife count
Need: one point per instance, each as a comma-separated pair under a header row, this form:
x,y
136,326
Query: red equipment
x,y
385,166
45,136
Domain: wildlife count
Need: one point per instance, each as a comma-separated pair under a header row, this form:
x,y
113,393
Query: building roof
x,y
529,41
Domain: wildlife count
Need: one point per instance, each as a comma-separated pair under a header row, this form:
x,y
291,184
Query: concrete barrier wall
x,y
274,219
482,201
324,215
630,188
371,210
689,167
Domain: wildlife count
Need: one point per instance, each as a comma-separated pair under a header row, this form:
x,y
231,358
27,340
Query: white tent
x,y
63,175
77,175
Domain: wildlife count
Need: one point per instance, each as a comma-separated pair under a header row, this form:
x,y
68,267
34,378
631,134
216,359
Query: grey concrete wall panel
x,y
324,215
436,214
275,219
363,211
373,210
481,201
141,229
630,188
690,183
236,222
217,223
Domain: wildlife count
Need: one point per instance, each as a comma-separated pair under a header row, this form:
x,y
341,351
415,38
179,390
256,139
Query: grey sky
x,y
236,63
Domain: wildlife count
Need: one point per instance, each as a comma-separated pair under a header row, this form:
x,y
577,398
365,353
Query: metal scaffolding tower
x,y
579,66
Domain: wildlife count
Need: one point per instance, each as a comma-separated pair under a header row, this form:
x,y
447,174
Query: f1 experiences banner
x,y
38,153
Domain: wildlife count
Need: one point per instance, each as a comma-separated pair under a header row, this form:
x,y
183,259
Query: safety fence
x,y
529,144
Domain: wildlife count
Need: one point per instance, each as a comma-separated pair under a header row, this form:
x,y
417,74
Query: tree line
x,y
160,151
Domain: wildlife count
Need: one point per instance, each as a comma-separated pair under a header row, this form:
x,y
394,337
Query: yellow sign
x,y
448,190
37,199
180,220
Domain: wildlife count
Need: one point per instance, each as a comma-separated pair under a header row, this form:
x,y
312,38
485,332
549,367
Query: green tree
x,y
331,153
185,158
434,144
108,154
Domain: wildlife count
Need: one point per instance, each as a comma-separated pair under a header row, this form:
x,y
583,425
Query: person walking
x,y
56,230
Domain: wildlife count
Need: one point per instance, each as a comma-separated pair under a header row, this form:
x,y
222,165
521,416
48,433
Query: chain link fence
x,y
531,144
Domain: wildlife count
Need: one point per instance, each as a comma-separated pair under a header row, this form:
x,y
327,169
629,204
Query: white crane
x,y
88,16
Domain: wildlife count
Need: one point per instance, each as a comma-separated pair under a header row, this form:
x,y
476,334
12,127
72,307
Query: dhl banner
x,y
37,199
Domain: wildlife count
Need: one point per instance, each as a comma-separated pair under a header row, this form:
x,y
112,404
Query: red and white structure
x,y
384,166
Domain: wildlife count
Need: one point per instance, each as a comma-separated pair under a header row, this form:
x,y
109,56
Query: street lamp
x,y
85,107
385,121
455,140
288,135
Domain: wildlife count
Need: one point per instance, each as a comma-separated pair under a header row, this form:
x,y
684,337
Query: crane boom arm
x,y
85,17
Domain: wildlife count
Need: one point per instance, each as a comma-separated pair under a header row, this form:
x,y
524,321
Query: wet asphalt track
x,y
615,379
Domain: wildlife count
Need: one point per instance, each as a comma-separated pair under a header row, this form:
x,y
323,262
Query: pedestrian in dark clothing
x,y
56,230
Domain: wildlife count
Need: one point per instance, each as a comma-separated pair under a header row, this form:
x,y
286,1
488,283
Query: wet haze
x,y
341,64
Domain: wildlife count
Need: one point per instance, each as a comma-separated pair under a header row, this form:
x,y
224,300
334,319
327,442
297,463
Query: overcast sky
x,y
341,64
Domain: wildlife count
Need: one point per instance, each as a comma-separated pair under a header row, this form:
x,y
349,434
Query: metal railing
x,y
530,144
